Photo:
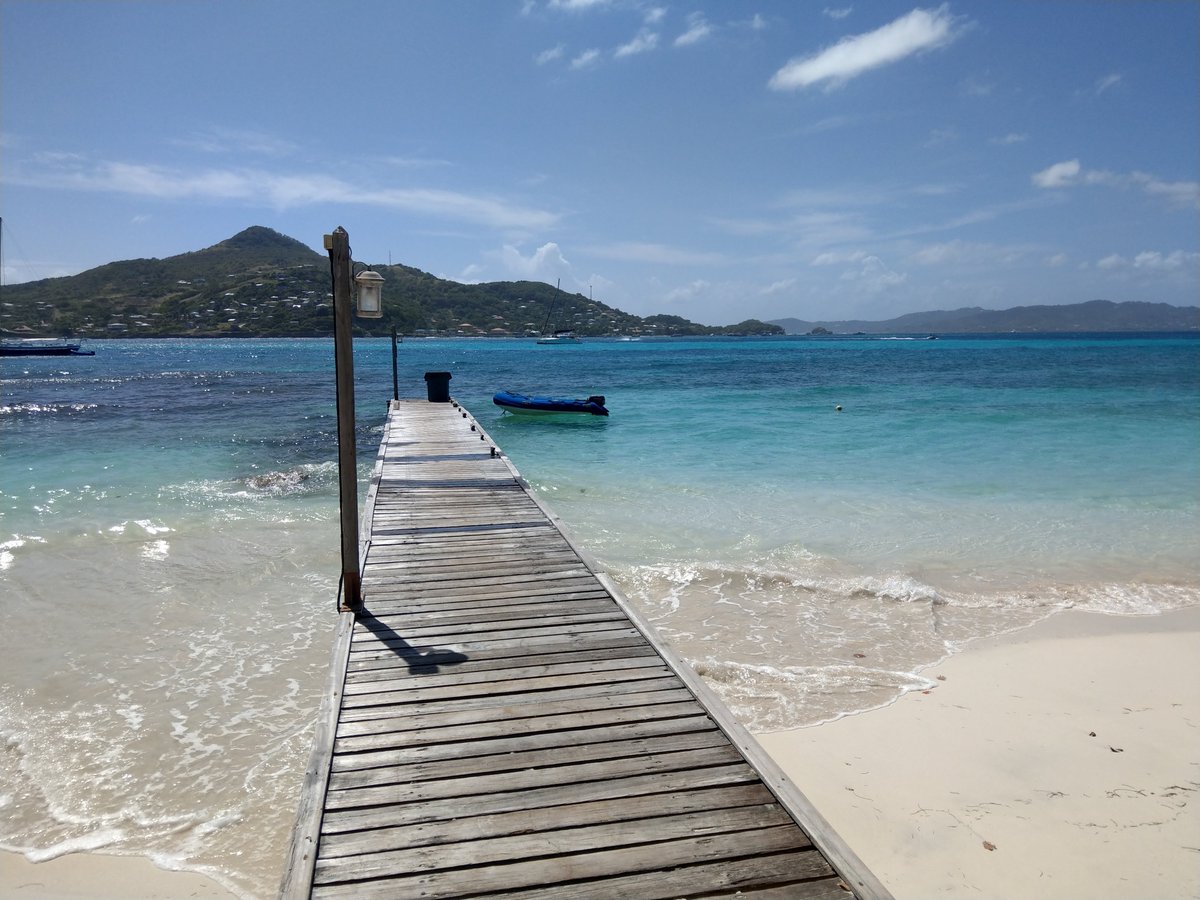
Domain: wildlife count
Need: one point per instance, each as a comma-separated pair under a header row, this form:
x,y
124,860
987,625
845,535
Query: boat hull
x,y
11,349
522,405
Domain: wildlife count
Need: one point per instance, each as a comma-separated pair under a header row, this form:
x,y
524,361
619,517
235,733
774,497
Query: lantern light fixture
x,y
370,295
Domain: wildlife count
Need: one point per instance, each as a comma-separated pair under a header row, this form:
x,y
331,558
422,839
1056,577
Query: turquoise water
x,y
169,538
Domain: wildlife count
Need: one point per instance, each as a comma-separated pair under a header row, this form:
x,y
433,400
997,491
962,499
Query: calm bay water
x,y
169,538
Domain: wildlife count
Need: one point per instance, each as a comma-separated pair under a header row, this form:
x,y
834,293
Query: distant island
x,y
260,283
1093,316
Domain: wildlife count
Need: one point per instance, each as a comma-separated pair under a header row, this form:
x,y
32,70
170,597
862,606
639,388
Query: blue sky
x,y
711,160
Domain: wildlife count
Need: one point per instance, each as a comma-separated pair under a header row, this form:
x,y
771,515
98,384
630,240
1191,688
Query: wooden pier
x,y
499,722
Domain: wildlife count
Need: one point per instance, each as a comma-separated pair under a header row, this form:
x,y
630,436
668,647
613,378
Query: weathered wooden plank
x,y
447,578
464,642
600,727
338,848
388,563
373,631
546,795
403,623
587,647
406,692
627,834
448,715
578,697
480,667
583,636
385,602
382,748
360,684
794,875
521,771
621,860
465,587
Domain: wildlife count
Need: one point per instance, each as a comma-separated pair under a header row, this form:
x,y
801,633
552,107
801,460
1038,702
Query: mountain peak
x,y
259,237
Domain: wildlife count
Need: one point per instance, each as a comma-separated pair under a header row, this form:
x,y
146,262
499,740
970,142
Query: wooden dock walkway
x,y
500,723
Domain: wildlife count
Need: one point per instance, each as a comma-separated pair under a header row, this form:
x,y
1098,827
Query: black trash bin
x,y
437,385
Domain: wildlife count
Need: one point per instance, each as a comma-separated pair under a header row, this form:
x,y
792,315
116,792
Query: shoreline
x,y
1055,760
1059,760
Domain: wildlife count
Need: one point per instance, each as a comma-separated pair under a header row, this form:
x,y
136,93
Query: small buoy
x,y
838,408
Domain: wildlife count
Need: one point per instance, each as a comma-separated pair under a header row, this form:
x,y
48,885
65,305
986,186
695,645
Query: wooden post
x,y
395,373
338,245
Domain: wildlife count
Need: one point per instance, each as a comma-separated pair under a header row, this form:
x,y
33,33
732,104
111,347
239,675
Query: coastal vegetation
x,y
260,283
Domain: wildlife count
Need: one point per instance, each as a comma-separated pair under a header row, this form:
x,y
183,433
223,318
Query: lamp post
x,y
370,306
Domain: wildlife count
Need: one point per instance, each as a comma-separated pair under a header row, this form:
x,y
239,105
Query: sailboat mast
x,y
550,311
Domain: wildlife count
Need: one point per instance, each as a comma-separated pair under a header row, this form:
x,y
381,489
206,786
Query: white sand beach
x,y
1062,761
97,877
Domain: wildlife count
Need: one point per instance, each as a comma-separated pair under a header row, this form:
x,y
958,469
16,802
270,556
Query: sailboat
x,y
562,335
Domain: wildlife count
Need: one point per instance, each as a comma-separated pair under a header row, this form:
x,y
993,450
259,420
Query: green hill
x,y
262,283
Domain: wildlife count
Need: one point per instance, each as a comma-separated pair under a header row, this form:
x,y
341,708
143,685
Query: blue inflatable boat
x,y
521,405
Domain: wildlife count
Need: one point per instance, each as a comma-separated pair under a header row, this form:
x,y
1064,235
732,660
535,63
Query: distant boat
x,y
42,347
565,336
561,335
521,405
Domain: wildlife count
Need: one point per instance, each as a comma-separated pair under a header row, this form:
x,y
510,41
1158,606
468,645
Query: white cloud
x,y
1154,261
758,23
698,30
687,292
237,141
833,259
832,123
254,186
1058,259
472,274
577,5
838,14
940,136
1169,262
632,251
938,254
1177,193
585,59
1150,263
644,42
971,253
1011,138
779,287
1108,81
655,15
547,260
1058,175
976,87
874,275
550,55
916,32
1181,194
